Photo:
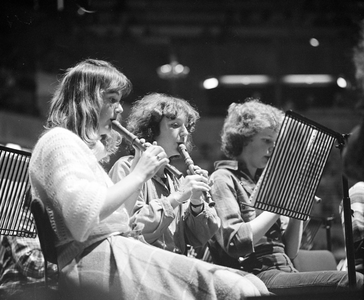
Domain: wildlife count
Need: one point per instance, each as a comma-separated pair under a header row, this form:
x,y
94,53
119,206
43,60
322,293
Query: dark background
x,y
211,37
42,38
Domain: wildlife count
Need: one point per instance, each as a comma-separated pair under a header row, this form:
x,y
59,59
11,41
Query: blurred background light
x,y
173,70
341,82
314,42
308,79
210,83
13,146
244,80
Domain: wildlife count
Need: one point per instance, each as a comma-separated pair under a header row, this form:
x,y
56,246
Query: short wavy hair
x,y
243,121
77,101
147,113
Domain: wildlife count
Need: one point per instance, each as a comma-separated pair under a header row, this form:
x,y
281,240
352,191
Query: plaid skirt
x,y
125,268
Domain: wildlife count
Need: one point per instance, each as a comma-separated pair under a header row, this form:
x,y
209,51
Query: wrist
x,y
196,208
180,196
175,199
137,178
196,205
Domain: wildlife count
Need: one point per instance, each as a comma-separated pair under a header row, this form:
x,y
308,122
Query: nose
x,y
184,131
119,109
271,148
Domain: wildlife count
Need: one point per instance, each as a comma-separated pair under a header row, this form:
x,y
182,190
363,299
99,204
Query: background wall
x,y
42,38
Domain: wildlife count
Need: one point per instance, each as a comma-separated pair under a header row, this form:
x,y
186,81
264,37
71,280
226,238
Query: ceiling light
x,y
244,79
173,70
210,83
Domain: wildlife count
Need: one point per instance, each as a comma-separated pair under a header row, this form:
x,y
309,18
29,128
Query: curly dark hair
x,y
147,112
243,121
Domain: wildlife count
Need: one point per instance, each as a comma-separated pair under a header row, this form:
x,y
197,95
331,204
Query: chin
x,y
174,155
105,130
263,165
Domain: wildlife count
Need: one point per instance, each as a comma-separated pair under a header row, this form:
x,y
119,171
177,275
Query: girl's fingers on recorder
x,y
200,171
151,160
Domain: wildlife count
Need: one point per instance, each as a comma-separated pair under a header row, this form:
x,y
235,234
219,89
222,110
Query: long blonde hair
x,y
77,101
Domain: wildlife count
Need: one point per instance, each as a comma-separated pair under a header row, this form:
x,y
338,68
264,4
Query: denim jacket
x,y
161,225
232,245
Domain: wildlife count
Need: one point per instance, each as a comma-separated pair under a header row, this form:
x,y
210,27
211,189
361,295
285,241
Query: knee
x,y
359,281
238,285
258,283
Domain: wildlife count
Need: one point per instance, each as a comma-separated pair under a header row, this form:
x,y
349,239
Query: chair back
x,y
315,260
46,234
14,188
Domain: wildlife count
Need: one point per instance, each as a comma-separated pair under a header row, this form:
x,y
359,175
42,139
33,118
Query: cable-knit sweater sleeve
x,y
65,173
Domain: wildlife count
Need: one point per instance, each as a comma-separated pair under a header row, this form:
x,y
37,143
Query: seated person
x,y
172,212
353,164
22,262
353,160
99,255
255,241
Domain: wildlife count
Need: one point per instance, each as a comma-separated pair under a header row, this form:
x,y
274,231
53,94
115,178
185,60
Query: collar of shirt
x,y
238,167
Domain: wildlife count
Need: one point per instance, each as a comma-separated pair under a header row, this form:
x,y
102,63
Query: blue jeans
x,y
285,283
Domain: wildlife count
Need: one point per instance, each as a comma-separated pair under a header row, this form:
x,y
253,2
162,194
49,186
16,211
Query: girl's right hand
x,y
147,163
192,187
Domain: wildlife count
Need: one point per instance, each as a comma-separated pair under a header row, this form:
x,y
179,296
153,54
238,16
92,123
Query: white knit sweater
x,y
67,177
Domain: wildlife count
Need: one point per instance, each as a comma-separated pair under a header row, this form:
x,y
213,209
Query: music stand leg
x,y
328,222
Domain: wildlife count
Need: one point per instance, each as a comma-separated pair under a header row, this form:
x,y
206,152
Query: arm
x,y
356,195
158,214
194,224
261,224
240,230
201,227
128,187
235,235
120,170
292,237
200,221
77,185
154,212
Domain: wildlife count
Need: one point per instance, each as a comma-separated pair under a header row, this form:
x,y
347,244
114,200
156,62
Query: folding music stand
x,y
14,197
290,180
349,240
19,214
310,229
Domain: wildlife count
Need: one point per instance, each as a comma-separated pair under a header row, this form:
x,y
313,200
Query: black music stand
x,y
15,216
349,241
311,142
310,229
